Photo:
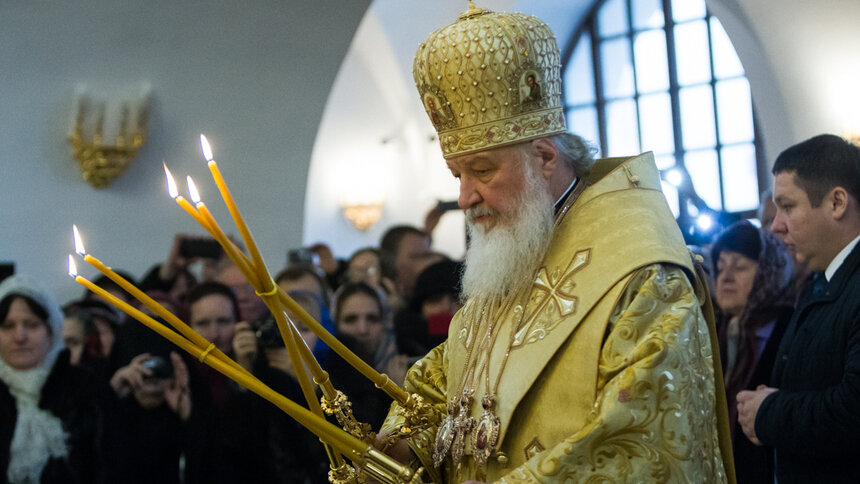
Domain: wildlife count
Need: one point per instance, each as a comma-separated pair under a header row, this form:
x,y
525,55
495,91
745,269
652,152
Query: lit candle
x,y
288,333
157,308
380,379
208,222
189,333
259,265
297,349
336,437
174,193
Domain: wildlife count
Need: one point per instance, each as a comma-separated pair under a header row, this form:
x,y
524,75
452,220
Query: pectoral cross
x,y
463,425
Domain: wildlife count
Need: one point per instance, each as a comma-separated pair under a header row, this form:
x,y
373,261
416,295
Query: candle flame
x,y
171,183
192,190
79,243
73,268
207,150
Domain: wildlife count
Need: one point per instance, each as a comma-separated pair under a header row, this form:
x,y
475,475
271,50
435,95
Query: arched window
x,y
663,76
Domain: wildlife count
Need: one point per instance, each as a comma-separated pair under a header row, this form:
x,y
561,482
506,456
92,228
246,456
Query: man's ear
x,y
838,200
546,151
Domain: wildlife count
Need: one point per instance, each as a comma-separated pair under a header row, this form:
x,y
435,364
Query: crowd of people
x,y
575,342
89,396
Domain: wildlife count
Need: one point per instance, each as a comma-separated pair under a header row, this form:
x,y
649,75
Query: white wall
x,y
257,80
373,99
798,55
253,76
802,62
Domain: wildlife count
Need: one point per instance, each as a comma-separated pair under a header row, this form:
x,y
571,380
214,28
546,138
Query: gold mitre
x,y
490,79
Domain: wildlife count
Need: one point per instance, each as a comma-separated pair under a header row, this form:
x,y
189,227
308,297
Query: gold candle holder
x,y
104,157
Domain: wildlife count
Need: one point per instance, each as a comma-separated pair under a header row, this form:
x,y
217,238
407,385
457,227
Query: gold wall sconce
x,y
107,133
362,215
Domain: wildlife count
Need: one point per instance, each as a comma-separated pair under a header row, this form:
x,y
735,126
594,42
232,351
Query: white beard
x,y
504,260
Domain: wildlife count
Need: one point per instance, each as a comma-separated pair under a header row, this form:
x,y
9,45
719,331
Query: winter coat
x,y
69,394
813,421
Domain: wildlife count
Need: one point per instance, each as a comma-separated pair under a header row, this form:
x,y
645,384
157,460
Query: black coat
x,y
69,394
142,446
241,437
813,421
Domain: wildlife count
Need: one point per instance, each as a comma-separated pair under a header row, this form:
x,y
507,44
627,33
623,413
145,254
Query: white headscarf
x,y
39,434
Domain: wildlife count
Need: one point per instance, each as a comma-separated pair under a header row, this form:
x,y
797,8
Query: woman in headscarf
x,y
363,322
754,298
48,415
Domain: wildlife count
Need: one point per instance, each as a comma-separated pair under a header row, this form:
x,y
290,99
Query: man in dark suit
x,y
811,413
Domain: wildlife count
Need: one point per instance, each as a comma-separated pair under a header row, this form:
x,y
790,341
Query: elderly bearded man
x,y
582,352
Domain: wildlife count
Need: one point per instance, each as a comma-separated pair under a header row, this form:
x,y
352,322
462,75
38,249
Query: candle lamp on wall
x,y
107,132
362,214
364,184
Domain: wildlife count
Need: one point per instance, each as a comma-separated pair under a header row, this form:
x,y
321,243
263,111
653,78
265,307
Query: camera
x,y
302,257
160,367
268,334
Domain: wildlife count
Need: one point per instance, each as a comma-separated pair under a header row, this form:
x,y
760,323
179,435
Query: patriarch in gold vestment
x,y
583,352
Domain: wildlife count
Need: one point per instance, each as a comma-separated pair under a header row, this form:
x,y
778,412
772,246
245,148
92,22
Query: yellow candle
x,y
237,216
160,310
379,379
230,248
174,193
339,439
191,211
157,308
286,327
290,336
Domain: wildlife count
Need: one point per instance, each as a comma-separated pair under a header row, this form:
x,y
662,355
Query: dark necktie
x,y
819,284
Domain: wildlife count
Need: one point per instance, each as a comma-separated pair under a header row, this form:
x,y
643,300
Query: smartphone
x,y
203,248
448,206
302,257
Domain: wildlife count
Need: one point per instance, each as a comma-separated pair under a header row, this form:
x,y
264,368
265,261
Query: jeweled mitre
x,y
490,79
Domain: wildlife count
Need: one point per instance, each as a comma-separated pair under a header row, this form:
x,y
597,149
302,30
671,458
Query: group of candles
x,y
357,447
111,120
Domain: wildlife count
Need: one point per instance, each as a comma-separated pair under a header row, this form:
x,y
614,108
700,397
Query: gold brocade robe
x,y
610,375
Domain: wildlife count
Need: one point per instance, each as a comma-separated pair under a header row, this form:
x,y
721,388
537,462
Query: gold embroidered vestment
x,y
609,374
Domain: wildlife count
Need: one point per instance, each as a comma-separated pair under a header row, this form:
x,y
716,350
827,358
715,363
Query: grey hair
x,y
577,153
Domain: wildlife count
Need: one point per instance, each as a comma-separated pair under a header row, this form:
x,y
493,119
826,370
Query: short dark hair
x,y
820,164
391,239
109,285
204,289
296,272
